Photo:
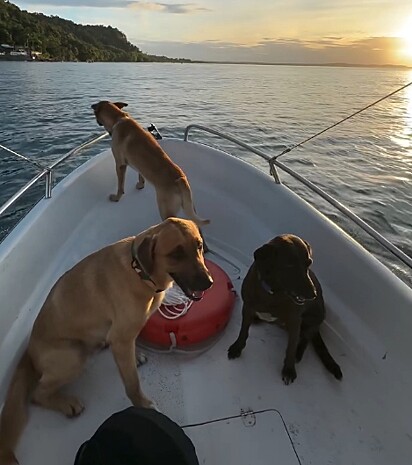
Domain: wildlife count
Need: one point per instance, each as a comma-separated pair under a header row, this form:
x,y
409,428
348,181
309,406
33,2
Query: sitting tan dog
x,y
132,145
103,300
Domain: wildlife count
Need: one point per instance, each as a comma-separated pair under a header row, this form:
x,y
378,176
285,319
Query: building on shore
x,y
17,53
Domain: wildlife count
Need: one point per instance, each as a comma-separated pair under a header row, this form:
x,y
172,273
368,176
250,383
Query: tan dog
x,y
104,299
132,145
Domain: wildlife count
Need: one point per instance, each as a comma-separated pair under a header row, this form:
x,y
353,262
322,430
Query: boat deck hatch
x,y
252,438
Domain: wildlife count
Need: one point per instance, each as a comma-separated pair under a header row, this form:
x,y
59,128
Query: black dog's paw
x,y
234,351
288,375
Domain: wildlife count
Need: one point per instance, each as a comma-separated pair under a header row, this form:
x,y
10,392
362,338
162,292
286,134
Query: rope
x,y
175,304
29,160
339,122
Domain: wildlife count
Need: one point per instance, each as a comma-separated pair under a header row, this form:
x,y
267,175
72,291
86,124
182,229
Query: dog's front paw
x,y
140,185
114,197
76,408
234,351
154,406
146,403
70,406
288,374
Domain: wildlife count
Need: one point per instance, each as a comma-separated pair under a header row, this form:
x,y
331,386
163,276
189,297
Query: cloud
x,y
367,51
175,8
79,3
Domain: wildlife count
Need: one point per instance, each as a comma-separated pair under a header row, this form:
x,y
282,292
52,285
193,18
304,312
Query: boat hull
x,y
365,418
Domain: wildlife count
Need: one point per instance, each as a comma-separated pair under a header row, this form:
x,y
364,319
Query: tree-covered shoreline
x,y
58,39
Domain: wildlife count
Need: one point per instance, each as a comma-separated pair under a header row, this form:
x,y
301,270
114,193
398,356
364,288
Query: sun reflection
x,y
403,134
409,100
407,131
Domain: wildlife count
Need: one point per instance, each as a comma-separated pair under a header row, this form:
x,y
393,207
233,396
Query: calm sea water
x,y
366,162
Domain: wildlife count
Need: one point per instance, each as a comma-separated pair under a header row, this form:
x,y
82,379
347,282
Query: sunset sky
x,y
292,31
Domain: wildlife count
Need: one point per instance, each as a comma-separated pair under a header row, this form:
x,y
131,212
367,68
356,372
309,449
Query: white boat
x,y
237,412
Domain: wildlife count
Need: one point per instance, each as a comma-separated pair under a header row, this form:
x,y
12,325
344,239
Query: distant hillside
x,y
60,39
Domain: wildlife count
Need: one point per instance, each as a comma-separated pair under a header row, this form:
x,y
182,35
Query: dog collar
x,y
135,264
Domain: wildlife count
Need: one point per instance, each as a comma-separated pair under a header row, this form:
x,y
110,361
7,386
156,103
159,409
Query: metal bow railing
x,y
44,171
274,164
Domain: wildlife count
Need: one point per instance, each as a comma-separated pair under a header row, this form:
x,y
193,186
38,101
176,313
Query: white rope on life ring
x,y
175,304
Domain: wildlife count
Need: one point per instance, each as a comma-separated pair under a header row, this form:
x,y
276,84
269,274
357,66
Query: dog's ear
x,y
120,104
264,252
308,246
146,254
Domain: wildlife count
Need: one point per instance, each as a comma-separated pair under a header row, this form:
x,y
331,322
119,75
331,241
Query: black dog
x,y
280,282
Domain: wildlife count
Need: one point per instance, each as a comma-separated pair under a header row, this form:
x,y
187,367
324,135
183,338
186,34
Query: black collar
x,y
135,264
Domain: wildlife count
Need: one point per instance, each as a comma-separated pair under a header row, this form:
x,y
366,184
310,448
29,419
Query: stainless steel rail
x,y
32,162
78,149
45,171
274,163
235,141
21,191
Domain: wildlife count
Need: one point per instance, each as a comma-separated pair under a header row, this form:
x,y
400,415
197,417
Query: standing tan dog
x,y
132,145
104,299
280,282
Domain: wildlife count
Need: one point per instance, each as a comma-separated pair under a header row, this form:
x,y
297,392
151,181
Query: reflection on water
x,y
408,122
404,137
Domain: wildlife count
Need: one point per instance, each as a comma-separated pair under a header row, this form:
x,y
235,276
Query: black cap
x,y
138,436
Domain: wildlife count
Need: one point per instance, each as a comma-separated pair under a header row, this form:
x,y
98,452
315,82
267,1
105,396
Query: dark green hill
x,y
60,39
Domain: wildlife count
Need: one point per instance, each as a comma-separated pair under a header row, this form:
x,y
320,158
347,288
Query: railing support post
x,y
49,184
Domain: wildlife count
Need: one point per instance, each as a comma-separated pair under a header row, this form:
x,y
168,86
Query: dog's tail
x,y
14,415
326,358
187,203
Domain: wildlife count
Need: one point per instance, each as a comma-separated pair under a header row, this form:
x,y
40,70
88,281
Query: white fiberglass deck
x,y
364,419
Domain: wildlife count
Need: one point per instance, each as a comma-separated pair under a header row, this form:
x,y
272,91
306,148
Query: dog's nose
x,y
204,282
309,295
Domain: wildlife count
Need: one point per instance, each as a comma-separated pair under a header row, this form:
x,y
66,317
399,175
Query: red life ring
x,y
202,323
